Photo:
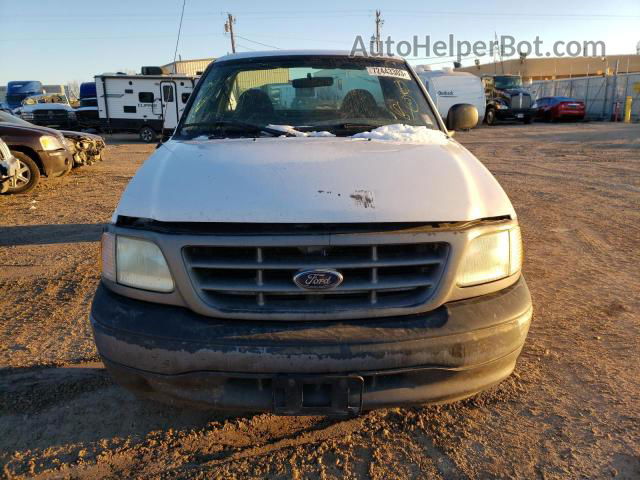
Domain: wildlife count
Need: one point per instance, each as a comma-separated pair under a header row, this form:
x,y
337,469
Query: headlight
x,y
501,106
26,116
71,114
135,263
49,142
491,257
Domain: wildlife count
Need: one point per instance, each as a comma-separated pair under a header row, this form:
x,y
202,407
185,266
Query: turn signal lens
x,y
515,242
108,257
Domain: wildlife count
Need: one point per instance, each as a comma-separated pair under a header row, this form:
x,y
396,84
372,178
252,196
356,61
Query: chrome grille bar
x,y
260,279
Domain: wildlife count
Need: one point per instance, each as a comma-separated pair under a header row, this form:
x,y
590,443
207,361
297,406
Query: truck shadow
x,y
80,405
50,234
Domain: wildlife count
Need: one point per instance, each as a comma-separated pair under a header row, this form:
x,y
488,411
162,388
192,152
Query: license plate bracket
x,y
339,395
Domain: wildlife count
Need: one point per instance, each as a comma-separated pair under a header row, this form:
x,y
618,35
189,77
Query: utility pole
x,y
379,23
228,27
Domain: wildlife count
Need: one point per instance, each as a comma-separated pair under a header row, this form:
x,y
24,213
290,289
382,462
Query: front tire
x,y
490,117
28,174
147,134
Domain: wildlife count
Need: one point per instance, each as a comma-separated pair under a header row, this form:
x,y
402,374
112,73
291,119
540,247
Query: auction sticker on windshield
x,y
388,72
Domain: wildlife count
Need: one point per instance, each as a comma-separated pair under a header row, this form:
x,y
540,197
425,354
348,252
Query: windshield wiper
x,y
237,126
346,127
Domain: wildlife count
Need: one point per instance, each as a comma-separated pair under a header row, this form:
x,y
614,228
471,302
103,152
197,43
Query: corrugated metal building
x,y
258,78
187,67
561,67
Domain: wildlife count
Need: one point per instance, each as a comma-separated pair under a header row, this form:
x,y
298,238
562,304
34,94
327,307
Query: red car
x,y
557,108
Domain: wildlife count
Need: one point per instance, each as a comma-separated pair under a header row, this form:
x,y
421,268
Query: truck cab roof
x,y
292,53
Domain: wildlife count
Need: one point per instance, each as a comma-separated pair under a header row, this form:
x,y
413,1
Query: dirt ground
x,y
571,409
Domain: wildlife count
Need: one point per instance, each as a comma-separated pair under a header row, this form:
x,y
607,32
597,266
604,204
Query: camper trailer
x,y
448,88
149,105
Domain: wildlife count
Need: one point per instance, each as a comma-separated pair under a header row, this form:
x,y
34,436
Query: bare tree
x,y
73,88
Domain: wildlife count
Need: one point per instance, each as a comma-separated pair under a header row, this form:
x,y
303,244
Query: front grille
x,y
521,100
260,279
50,114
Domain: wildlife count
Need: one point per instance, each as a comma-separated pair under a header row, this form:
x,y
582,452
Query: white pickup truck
x,y
329,251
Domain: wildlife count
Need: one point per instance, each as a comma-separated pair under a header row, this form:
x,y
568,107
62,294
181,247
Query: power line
x,y
245,47
175,53
259,43
336,13
421,13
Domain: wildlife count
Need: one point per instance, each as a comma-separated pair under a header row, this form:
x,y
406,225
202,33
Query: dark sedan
x,y
39,151
558,108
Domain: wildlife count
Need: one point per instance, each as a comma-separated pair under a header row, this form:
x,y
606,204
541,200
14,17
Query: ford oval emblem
x,y
318,279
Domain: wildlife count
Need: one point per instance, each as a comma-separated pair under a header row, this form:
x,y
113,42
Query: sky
x,y
73,40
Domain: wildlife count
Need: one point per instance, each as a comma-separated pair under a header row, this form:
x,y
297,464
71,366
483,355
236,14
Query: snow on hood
x,y
312,180
405,133
290,129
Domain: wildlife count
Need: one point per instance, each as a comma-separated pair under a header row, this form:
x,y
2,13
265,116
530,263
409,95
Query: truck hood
x,y
312,180
46,106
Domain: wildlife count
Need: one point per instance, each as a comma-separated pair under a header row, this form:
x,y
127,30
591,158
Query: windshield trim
x,y
289,57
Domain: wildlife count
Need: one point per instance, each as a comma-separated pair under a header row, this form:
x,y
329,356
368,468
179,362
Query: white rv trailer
x,y
149,105
448,88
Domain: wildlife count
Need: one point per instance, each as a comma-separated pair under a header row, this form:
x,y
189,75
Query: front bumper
x,y
55,162
174,355
514,114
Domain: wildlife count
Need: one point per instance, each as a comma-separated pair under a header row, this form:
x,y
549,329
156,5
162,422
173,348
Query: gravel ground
x,y
571,409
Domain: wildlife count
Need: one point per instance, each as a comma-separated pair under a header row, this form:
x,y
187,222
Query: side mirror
x,y
462,116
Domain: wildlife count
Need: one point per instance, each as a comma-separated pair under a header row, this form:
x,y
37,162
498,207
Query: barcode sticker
x,y
388,72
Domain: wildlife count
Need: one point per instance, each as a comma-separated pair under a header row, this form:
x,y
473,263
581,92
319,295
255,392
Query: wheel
x,y
490,116
28,174
147,134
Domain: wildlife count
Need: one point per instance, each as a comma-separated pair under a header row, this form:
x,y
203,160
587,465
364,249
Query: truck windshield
x,y
330,93
507,82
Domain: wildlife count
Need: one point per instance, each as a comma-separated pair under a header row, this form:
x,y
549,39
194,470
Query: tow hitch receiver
x,y
317,395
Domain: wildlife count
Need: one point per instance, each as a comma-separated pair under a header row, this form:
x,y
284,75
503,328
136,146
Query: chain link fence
x,y
603,96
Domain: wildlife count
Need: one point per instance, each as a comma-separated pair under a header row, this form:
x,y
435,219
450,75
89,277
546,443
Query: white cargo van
x,y
326,255
448,88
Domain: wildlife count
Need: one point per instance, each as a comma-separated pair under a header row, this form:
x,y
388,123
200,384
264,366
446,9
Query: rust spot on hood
x,y
363,198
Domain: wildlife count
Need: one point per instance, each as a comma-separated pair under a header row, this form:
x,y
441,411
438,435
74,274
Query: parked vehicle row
x,y
42,151
496,97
